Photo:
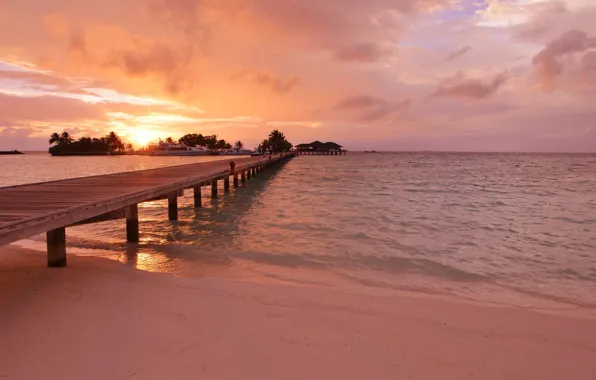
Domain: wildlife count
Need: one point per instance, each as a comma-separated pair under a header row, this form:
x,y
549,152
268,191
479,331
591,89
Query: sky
x,y
492,75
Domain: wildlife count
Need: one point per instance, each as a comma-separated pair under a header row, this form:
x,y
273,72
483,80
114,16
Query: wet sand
x,y
99,319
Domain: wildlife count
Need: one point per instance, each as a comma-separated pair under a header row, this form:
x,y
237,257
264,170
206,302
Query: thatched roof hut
x,y
317,146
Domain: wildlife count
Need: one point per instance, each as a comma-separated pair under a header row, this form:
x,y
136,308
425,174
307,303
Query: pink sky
x,y
498,75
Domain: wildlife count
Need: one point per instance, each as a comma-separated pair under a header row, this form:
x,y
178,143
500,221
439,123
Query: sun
x,y
142,137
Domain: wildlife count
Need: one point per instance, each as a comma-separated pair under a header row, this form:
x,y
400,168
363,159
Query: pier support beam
x,y
235,180
249,174
132,223
56,241
197,196
227,184
214,188
243,176
173,206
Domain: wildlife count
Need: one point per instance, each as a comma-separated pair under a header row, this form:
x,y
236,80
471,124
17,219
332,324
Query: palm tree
x,y
114,142
211,141
169,140
65,138
60,139
276,135
54,138
239,144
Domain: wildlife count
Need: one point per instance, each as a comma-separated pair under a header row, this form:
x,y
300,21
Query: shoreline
x,y
112,321
507,298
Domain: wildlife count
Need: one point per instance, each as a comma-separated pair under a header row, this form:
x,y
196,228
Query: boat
x,y
370,151
171,149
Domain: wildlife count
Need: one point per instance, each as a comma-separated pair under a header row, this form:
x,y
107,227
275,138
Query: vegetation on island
x,y
276,142
65,144
211,142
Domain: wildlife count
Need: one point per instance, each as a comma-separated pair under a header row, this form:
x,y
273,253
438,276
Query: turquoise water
x,y
515,229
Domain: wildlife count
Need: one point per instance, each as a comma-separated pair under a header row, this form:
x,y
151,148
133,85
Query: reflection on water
x,y
510,228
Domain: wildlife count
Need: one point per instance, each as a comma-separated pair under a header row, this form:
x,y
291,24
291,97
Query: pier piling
x,y
173,206
243,176
56,242
227,184
197,196
214,188
132,223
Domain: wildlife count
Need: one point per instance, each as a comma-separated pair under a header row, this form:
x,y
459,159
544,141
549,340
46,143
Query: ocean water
x,y
516,229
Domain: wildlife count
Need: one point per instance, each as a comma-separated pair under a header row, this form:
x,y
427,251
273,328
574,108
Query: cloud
x,y
15,109
369,108
280,85
548,63
275,83
358,102
462,87
588,62
458,53
362,52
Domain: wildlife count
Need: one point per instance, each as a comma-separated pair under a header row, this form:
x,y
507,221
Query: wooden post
x,y
243,176
198,200
235,180
213,188
56,242
248,173
173,206
132,223
227,184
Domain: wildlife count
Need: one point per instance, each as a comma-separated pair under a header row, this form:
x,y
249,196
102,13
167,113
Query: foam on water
x,y
509,228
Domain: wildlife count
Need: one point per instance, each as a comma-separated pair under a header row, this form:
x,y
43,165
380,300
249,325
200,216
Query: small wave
x,y
576,221
420,265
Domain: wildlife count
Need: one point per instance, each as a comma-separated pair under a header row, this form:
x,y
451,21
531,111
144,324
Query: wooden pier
x,y
50,207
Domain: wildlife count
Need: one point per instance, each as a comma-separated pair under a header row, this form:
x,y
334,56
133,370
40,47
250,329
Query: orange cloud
x,y
548,61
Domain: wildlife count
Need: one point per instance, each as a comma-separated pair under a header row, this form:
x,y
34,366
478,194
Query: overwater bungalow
x,y
318,148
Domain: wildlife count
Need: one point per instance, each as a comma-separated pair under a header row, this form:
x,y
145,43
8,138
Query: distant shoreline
x,y
86,154
5,152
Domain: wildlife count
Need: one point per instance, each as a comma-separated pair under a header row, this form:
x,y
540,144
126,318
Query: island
x,y
5,152
64,145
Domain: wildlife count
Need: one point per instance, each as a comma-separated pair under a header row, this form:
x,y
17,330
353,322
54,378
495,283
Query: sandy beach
x,y
99,319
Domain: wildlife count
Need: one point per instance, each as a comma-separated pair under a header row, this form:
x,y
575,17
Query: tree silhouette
x,y
65,144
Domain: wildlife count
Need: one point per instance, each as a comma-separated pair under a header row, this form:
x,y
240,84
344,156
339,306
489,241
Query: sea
x,y
503,228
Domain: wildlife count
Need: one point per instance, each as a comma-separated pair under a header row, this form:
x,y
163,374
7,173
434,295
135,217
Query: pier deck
x,y
31,209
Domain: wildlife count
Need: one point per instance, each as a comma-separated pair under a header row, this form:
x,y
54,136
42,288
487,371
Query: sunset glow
x,y
384,74
142,137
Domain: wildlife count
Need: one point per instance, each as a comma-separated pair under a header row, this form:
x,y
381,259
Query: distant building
x,y
320,148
